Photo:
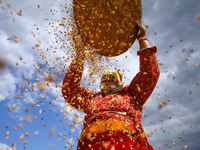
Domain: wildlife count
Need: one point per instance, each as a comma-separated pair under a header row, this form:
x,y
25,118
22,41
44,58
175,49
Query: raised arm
x,y
77,96
145,81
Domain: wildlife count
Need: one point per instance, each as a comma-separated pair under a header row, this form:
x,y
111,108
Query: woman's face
x,y
108,82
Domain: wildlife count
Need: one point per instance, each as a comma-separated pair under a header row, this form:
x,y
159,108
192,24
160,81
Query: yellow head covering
x,y
118,75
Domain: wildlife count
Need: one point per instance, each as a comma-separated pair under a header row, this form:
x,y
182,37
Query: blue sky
x,y
173,28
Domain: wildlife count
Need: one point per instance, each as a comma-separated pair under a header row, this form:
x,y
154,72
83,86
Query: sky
x,y
29,51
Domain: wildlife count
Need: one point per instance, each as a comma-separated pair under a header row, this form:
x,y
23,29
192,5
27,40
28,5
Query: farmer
x,y
113,116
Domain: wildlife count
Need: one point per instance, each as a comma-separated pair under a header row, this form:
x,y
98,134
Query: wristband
x,y
141,39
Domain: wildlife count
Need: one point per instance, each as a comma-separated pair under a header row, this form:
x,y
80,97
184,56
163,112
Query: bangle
x,y
141,39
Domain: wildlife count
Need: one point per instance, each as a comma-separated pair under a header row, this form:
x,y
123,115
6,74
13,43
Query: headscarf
x,y
112,86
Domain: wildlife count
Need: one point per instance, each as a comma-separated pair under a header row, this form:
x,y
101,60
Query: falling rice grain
x,y
21,137
2,6
198,65
52,131
27,134
198,17
19,13
16,40
36,132
8,4
187,59
25,142
19,125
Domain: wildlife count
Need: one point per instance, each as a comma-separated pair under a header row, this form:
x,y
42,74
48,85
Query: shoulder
x,y
125,88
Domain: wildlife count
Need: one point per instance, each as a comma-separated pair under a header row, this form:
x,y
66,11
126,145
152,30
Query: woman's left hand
x,y
142,29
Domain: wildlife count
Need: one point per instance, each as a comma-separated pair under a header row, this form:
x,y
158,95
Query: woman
x,y
113,116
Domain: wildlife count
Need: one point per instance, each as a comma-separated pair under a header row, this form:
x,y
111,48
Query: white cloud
x,y
3,146
7,84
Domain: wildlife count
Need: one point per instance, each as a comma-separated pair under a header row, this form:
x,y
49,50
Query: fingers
x,y
139,23
141,27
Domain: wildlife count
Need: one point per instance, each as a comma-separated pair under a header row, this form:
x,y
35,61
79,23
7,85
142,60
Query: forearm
x,y
73,76
74,73
144,43
78,63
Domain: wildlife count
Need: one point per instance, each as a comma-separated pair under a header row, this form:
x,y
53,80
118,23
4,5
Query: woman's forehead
x,y
108,76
